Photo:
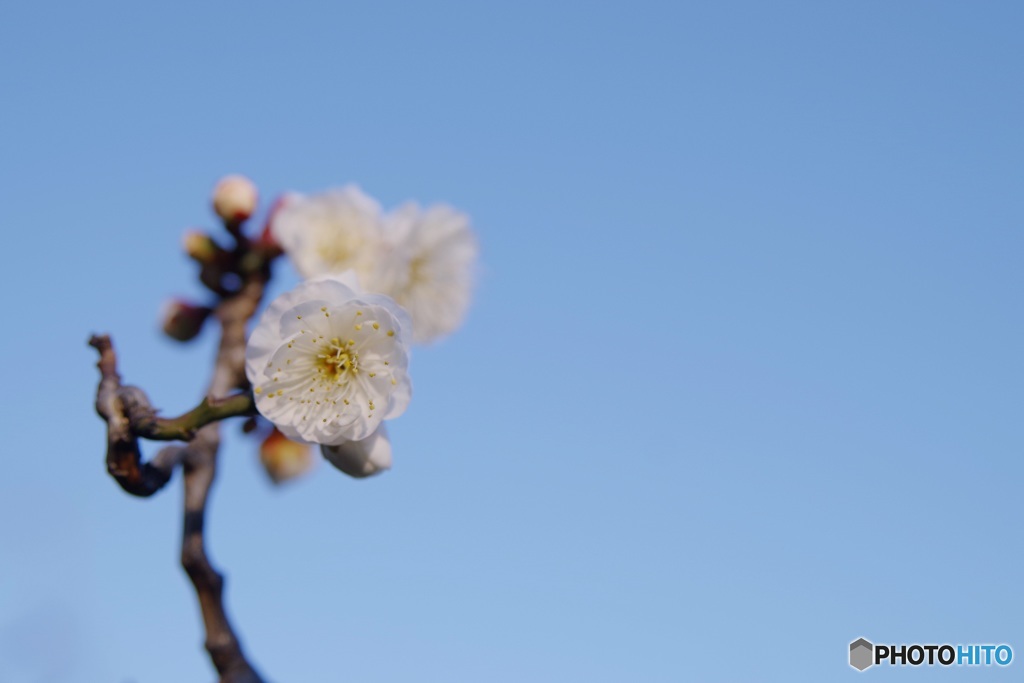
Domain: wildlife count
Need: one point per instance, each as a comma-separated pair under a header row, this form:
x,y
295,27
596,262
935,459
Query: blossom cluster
x,y
329,360
422,258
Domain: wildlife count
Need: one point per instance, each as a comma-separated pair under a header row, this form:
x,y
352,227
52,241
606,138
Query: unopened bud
x,y
361,458
183,320
234,198
284,459
199,246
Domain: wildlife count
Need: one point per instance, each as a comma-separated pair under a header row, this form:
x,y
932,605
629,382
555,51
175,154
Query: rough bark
x,y
130,416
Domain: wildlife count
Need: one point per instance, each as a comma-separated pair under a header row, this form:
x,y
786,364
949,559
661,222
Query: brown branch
x,y
124,459
130,416
200,467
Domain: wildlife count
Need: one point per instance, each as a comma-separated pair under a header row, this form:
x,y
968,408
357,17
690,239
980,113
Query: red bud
x,y
182,320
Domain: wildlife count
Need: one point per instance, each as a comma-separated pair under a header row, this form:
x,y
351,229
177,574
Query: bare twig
x,y
200,469
124,459
184,428
130,416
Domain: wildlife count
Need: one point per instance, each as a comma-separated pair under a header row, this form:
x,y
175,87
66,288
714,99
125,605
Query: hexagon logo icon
x,y
862,654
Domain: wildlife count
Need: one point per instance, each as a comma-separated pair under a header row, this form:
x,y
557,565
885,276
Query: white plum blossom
x,y
423,258
363,458
328,362
330,232
426,262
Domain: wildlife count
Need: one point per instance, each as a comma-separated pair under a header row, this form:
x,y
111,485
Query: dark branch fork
x,y
129,417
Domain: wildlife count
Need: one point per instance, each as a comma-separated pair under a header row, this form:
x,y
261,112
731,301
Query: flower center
x,y
417,271
339,250
337,360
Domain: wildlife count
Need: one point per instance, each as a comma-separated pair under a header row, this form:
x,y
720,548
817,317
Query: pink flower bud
x,y
234,198
284,459
183,320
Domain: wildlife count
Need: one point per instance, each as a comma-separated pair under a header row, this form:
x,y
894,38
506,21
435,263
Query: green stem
x,y
185,426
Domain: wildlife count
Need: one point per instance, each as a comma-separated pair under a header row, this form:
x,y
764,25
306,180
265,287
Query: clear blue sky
x,y
743,375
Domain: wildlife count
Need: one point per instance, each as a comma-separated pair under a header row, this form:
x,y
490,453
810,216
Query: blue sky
x,y
743,375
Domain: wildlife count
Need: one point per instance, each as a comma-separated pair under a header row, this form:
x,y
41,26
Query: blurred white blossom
x,y
427,262
328,363
330,232
361,458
